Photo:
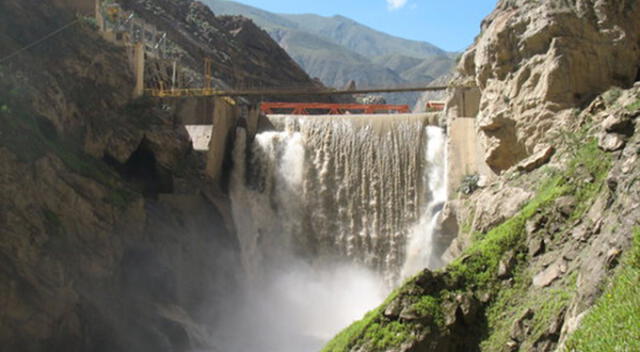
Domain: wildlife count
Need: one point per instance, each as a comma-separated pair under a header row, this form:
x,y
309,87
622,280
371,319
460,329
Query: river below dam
x,y
331,213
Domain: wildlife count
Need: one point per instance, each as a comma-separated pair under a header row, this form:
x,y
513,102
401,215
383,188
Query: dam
x,y
331,213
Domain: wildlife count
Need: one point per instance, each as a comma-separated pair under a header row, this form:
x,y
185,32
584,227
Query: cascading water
x,y
421,247
331,212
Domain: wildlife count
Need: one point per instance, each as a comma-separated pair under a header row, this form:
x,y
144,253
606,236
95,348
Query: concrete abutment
x,y
464,151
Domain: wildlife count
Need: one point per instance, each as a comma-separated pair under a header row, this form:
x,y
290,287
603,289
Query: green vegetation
x,y
429,306
381,334
477,268
355,331
614,322
481,260
387,335
633,106
469,184
591,162
512,302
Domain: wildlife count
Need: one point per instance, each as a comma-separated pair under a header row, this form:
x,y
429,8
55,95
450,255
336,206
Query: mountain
x,y
362,39
337,49
332,63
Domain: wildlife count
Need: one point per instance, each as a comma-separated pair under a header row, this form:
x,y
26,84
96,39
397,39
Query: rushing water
x,y
331,213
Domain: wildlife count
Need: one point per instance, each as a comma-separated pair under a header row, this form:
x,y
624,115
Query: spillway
x,y
331,213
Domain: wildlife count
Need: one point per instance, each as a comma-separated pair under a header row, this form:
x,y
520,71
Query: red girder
x,y
331,109
435,105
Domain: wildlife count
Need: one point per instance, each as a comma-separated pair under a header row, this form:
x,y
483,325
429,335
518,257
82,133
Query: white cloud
x,y
396,4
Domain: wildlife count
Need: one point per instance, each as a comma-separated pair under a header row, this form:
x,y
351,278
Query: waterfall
x,y
420,250
331,213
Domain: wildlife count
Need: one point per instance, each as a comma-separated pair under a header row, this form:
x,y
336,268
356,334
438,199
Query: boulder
x,y
566,205
550,274
493,206
506,265
533,225
393,309
536,246
618,123
541,155
611,142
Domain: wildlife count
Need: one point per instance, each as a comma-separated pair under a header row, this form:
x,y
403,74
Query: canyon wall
x,y
113,237
535,59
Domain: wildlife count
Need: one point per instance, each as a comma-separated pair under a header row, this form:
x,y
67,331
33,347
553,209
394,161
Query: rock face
x,y
111,238
535,59
243,54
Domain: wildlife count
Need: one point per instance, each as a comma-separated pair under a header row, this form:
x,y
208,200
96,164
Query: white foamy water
x,y
331,213
421,246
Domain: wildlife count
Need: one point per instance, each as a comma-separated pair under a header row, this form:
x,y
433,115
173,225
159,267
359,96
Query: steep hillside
x,y
551,227
325,59
243,54
111,237
319,44
362,39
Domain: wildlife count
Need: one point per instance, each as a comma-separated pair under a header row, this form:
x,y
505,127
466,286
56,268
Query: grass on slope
x,y
512,302
614,322
477,267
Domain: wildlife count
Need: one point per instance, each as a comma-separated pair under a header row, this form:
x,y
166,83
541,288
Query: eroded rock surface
x,y
535,59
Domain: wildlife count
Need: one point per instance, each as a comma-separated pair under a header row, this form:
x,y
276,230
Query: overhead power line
x,y
46,37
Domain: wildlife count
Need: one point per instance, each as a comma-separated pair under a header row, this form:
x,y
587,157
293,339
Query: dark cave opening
x,y
144,172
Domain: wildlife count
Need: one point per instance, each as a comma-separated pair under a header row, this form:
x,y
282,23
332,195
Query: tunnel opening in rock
x,y
143,171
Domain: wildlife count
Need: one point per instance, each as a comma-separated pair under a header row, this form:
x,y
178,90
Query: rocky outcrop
x,y
111,235
535,59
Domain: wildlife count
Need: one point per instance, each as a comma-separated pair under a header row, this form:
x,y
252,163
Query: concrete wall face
x,y
464,151
464,102
225,117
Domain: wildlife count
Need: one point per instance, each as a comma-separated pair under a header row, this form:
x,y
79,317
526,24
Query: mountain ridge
x,y
338,49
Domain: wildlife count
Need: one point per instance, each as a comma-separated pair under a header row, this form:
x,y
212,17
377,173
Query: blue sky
x,y
449,24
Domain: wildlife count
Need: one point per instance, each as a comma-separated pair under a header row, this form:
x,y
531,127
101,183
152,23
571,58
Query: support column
x,y
464,152
99,18
139,69
225,116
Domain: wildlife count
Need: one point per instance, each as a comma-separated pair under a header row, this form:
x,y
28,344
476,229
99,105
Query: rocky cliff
x,y
110,236
535,59
540,240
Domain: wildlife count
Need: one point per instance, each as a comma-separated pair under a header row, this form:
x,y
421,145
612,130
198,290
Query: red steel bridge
x,y
330,109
